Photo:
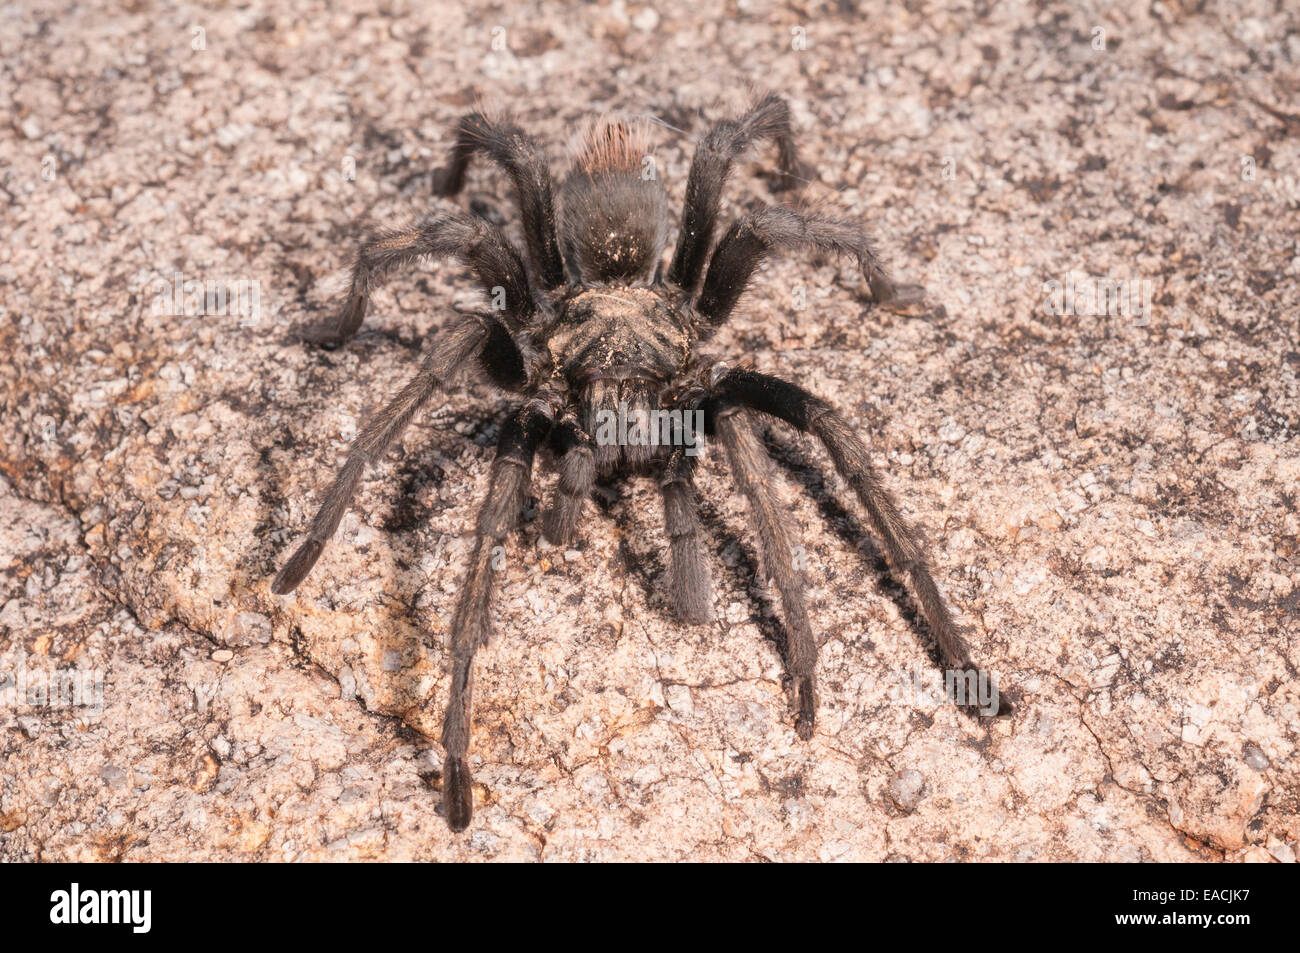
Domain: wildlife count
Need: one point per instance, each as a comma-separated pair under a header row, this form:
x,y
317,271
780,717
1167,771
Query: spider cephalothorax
x,y
593,329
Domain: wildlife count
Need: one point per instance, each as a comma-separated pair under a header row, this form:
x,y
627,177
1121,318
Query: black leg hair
x,y
520,156
902,548
749,240
471,626
447,357
753,472
577,468
689,577
723,144
479,244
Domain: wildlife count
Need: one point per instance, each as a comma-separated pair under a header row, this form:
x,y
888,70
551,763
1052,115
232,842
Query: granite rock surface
x,y
1108,487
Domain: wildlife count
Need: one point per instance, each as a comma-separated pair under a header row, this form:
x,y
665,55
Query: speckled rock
x,y
1109,490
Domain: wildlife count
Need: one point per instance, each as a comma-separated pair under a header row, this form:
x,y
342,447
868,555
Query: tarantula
x,y
592,322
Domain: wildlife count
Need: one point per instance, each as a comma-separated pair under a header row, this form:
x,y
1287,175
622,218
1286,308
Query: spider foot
x,y
1001,704
899,297
695,613
883,291
296,569
332,334
805,703
326,335
457,794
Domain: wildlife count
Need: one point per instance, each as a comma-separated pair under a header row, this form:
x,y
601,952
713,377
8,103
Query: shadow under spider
x,y
645,567
263,550
406,511
648,569
791,458
749,576
258,558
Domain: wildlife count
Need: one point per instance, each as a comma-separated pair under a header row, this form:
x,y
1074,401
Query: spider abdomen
x,y
613,207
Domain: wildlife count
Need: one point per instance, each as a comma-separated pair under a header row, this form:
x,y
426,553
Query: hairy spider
x,y
592,325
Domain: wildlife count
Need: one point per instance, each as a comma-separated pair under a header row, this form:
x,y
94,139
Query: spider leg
x,y
471,625
753,236
448,355
577,468
798,407
689,578
521,158
751,468
725,141
479,244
